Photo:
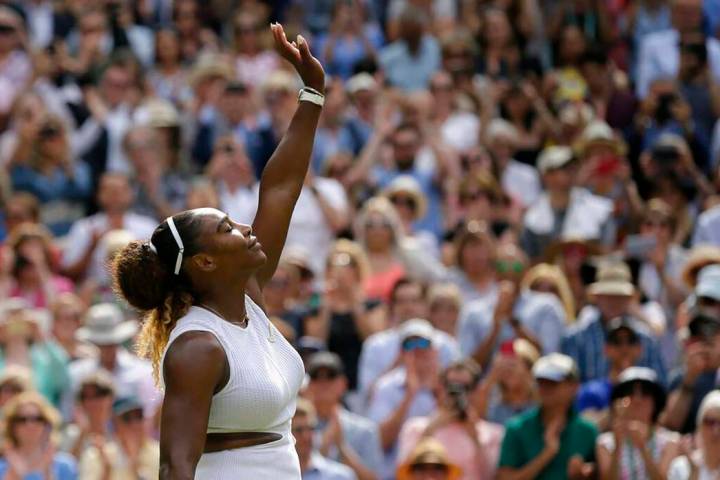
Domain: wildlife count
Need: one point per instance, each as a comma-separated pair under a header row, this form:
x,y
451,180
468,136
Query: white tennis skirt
x,y
276,460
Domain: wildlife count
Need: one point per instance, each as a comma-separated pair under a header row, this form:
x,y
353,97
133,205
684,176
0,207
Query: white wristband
x,y
307,95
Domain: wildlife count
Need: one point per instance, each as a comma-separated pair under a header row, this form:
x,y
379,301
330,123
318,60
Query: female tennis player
x,y
230,378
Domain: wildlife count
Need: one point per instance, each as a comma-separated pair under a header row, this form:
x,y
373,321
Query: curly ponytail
x,y
142,276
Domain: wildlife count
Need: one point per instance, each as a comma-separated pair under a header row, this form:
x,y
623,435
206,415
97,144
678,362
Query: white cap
x,y
361,81
417,327
555,367
554,157
708,284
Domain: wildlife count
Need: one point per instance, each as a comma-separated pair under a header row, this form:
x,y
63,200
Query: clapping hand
x,y
298,53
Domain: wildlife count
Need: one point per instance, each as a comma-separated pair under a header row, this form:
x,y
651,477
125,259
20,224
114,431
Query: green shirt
x,y
524,441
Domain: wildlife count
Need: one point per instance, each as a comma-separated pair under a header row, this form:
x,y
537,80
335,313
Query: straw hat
x,y
105,325
157,113
613,278
405,184
209,65
599,133
700,256
428,452
592,246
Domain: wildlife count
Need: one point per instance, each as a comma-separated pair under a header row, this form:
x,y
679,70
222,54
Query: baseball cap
x,y
126,404
555,367
327,360
553,158
703,325
416,327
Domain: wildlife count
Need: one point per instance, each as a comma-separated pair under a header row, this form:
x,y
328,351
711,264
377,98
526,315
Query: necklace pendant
x,y
271,334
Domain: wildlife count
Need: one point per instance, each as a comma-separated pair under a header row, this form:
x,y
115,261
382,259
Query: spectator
x,y
312,464
473,444
29,443
508,389
362,90
637,399
407,391
346,318
131,455
168,77
91,423
410,61
254,61
411,205
702,462
67,312
341,435
547,278
382,352
564,209
697,375
473,273
612,296
659,52
50,173
428,461
105,327
33,276
444,304
550,441
21,207
24,344
15,66
623,350
82,258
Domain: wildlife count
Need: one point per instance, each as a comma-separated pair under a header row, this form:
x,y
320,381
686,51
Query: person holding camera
x,y
471,442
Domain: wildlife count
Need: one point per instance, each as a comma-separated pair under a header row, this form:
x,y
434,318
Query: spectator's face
x,y
640,403
186,17
326,386
409,303
29,425
115,85
302,430
66,322
277,289
556,394
108,354
236,164
405,205
497,29
558,179
623,349
378,232
509,265
411,31
406,144
502,148
15,214
8,36
422,353
709,305
572,44
475,256
444,314
114,193
458,377
476,203
167,46
612,306
92,27
202,196
96,403
686,14
659,228
595,75
234,105
143,149
441,87
710,427
131,425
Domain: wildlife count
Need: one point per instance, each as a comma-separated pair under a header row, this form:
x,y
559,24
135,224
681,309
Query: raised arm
x,y
284,174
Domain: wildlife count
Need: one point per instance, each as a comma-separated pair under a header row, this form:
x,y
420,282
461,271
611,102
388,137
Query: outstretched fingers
x,y
287,50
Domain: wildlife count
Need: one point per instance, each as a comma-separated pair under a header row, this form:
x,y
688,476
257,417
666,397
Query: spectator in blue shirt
x,y
28,436
410,61
62,184
312,464
612,295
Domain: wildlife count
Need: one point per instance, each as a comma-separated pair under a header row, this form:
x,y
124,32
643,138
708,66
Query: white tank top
x,y
265,372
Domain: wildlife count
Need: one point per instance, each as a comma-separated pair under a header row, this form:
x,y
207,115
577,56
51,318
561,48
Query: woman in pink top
x,y
471,443
30,272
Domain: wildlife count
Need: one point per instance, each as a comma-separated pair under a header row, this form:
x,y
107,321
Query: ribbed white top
x,y
265,372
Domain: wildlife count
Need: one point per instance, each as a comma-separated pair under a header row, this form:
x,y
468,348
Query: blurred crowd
x,y
504,262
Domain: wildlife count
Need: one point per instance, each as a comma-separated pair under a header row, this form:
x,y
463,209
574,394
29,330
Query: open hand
x,y
298,53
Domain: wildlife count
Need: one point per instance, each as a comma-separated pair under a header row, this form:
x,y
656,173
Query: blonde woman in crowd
x,y
548,278
702,463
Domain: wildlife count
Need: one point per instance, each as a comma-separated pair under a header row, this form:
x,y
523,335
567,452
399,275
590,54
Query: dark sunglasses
x,y
324,375
622,342
428,468
415,344
22,419
132,416
403,201
92,395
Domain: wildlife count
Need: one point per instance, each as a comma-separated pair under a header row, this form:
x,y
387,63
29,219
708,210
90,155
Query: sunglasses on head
x,y
509,266
23,419
429,468
416,343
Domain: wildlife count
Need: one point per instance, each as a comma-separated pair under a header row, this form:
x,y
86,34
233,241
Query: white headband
x,y
178,240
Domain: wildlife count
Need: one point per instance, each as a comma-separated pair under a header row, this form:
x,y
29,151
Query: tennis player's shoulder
x,y
194,353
